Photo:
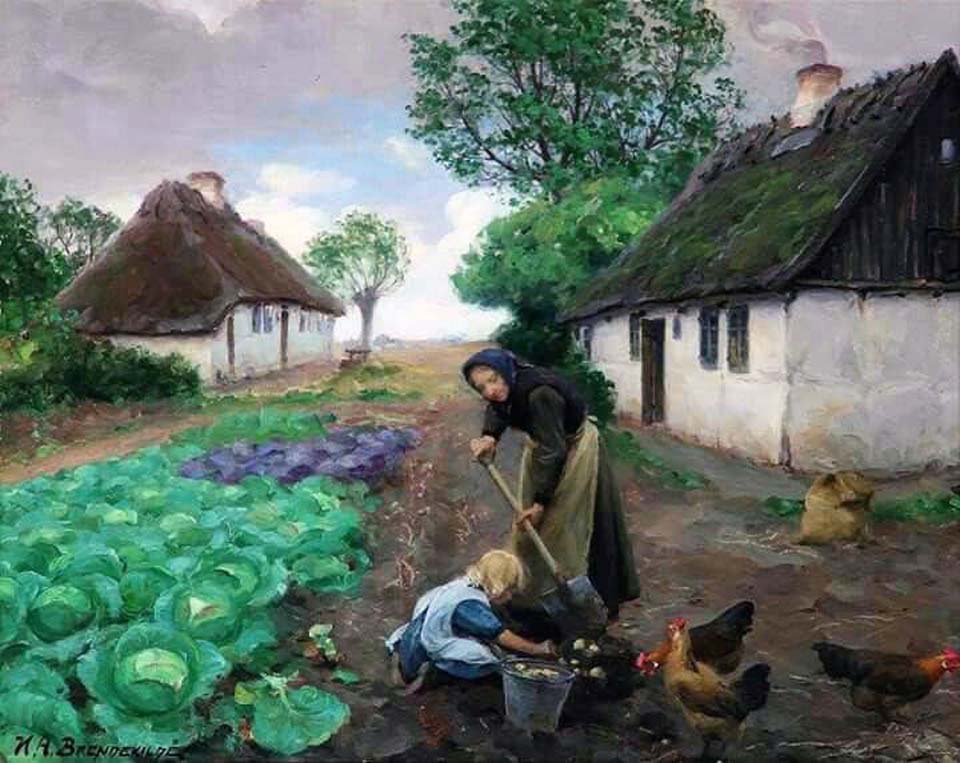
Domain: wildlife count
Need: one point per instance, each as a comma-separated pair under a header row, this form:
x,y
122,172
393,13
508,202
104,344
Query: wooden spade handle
x,y
501,483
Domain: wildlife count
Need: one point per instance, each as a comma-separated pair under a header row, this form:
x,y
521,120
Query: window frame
x,y
256,318
944,160
677,328
738,339
634,332
586,341
267,319
709,320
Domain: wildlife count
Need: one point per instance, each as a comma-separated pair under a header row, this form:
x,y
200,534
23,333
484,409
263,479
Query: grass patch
x,y
934,508
386,395
373,371
48,449
624,447
937,509
783,507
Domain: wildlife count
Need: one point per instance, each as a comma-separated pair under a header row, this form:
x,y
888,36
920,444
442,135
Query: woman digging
x,y
566,481
454,628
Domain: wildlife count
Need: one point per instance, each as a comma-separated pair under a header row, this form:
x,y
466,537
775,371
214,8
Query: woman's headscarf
x,y
503,362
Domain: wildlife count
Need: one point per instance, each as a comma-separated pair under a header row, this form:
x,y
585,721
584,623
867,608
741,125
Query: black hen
x,y
719,643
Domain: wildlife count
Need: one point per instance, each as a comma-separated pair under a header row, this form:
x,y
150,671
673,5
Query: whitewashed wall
x,y
254,353
739,412
875,381
258,353
315,342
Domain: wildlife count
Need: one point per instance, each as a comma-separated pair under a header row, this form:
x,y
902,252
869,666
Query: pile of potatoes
x,y
581,656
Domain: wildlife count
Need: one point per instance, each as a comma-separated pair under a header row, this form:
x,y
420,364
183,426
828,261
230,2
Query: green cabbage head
x,y
146,681
60,611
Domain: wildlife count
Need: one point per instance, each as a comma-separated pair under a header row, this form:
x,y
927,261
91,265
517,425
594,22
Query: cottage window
x,y
709,336
267,319
676,327
303,320
738,339
257,315
635,336
586,341
948,151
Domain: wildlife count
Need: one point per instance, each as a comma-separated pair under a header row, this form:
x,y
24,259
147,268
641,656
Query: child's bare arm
x,y
510,640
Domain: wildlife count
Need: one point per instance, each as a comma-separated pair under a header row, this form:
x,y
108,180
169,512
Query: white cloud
x,y
291,180
211,12
468,212
412,155
290,223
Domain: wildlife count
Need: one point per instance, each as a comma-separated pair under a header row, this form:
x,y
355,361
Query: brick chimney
x,y
816,84
210,184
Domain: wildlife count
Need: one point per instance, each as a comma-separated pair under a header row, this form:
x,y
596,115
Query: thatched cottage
x,y
799,302
188,275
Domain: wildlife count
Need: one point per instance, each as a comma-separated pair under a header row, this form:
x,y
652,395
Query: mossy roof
x,y
762,206
180,265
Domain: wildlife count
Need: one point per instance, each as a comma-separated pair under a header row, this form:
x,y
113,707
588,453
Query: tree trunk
x,y
366,304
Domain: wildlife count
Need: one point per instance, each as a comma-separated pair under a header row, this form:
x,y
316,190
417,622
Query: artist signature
x,y
34,746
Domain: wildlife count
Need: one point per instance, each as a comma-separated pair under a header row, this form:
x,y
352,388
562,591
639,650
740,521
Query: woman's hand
x,y
483,448
534,514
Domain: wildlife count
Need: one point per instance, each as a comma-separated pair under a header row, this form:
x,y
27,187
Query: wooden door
x,y
284,334
652,370
231,347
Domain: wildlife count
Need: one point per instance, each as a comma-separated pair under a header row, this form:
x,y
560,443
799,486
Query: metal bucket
x,y
534,702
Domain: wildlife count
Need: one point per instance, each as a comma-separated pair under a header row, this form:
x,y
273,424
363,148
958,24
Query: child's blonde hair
x,y
497,571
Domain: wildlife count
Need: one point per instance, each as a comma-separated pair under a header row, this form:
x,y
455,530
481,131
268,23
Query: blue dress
x,y
471,619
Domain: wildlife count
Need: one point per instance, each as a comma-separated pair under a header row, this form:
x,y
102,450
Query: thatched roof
x,y
762,206
180,264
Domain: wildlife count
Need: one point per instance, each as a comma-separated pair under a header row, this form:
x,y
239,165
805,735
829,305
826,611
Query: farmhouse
x,y
188,275
799,302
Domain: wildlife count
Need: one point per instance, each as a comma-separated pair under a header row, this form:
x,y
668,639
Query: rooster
x,y
717,710
881,682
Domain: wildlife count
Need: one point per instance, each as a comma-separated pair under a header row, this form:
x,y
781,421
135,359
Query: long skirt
x,y
583,526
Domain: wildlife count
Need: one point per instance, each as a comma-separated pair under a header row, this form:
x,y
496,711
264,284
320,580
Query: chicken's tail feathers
x,y
753,686
737,620
838,661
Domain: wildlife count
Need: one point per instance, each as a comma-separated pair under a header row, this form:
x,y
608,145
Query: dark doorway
x,y
284,334
231,347
652,369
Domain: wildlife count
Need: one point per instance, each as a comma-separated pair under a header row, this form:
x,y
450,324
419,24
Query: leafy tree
x,y
362,259
30,275
79,231
536,95
534,260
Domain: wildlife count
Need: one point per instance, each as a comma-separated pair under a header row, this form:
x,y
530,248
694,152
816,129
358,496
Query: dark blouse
x,y
545,424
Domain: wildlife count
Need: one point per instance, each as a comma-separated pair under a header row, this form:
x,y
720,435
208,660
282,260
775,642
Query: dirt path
x,y
110,446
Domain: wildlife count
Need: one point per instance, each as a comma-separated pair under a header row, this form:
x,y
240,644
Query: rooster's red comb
x,y
678,622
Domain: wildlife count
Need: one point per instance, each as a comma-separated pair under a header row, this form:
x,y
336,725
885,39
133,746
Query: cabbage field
x,y
131,588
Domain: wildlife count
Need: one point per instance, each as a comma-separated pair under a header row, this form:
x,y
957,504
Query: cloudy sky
x,y
300,105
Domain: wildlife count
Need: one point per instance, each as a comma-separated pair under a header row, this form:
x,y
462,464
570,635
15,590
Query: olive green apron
x,y
568,519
